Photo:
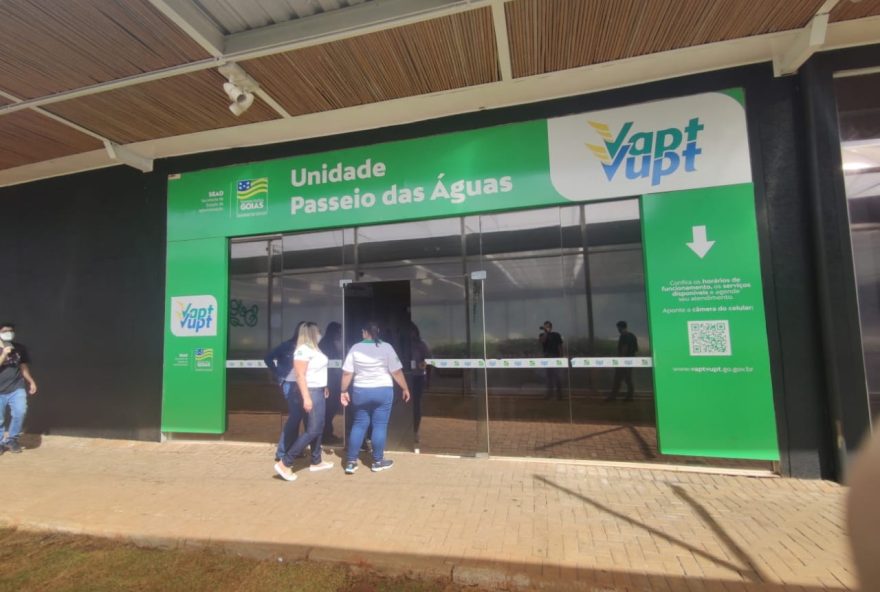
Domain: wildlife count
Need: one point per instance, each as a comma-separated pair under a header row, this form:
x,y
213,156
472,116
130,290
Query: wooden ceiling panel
x,y
51,46
847,10
451,52
168,107
550,36
27,137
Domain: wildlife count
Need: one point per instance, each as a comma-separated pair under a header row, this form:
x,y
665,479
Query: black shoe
x,y
331,440
13,446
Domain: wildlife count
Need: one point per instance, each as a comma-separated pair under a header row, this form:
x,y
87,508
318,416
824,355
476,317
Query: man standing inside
x,y
627,346
552,345
16,383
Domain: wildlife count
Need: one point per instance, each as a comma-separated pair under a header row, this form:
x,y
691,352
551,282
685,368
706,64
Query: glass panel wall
x,y
558,281
526,281
255,322
859,114
614,406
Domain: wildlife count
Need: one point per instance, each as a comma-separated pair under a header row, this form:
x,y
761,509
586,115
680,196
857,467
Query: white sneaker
x,y
321,467
284,472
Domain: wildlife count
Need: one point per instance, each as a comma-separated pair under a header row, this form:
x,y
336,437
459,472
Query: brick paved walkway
x,y
556,526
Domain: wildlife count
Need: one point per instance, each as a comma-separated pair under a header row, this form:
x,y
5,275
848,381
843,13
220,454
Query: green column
x,y
708,330
194,386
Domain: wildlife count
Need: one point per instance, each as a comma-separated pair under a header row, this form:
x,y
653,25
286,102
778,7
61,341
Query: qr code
x,y
709,338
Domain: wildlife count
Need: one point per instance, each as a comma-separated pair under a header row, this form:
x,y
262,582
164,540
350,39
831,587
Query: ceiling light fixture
x,y
239,87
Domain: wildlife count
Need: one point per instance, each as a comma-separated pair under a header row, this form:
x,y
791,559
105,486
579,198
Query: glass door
x,y
435,325
859,117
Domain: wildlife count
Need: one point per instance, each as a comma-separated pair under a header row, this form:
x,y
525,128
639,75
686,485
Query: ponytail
x,y
372,328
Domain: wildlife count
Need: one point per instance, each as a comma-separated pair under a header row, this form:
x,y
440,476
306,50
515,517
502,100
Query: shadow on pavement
x,y
747,570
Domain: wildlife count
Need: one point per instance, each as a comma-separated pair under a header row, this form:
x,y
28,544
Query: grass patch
x,y
70,563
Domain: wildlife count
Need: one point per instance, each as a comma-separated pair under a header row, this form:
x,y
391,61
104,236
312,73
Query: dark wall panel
x,y
83,277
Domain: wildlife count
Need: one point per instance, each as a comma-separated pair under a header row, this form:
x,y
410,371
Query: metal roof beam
x,y
499,20
339,24
788,59
380,14
186,15
126,156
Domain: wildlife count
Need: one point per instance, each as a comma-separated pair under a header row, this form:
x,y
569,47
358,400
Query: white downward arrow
x,y
700,245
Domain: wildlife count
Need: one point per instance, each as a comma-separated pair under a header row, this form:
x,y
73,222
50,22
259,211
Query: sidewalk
x,y
526,524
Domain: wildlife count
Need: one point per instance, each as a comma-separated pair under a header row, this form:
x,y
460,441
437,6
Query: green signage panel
x,y
714,402
194,385
708,331
455,174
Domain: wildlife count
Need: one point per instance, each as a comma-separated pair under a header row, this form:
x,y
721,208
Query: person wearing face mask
x,y
310,375
16,383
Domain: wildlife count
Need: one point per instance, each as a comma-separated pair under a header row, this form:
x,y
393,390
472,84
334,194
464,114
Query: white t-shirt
x,y
316,371
372,365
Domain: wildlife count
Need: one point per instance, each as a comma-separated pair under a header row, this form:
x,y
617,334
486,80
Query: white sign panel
x,y
194,316
684,143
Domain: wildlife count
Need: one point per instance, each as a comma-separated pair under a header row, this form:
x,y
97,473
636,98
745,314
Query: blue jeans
x,y
286,388
314,425
17,403
371,406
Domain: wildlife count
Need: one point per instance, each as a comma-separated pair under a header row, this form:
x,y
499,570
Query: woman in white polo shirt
x,y
374,364
310,374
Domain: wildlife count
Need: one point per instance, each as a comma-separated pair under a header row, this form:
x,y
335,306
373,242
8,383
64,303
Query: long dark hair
x,y
372,327
328,341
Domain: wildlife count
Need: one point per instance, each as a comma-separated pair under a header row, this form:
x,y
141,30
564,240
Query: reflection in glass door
x,y
859,117
253,405
435,325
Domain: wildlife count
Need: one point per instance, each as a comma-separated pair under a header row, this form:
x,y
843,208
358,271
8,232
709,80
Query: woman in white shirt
x,y
310,374
374,365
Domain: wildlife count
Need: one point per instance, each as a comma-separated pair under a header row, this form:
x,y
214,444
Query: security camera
x,y
241,103
239,87
241,99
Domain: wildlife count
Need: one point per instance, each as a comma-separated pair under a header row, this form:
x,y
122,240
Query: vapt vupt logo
x,y
653,154
193,316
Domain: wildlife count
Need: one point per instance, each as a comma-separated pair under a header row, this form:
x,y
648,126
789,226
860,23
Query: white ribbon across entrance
x,y
499,363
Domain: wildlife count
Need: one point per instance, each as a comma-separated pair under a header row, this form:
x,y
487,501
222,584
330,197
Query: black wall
x,y
83,276
90,264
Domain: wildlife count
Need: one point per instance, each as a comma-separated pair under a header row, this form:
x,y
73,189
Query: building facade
x,y
729,218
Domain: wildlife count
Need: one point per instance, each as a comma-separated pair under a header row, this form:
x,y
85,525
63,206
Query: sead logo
x,y
647,154
193,316
252,197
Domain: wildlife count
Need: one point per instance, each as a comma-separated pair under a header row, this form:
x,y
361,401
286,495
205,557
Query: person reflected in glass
x,y
374,367
627,346
419,353
331,346
552,346
310,369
